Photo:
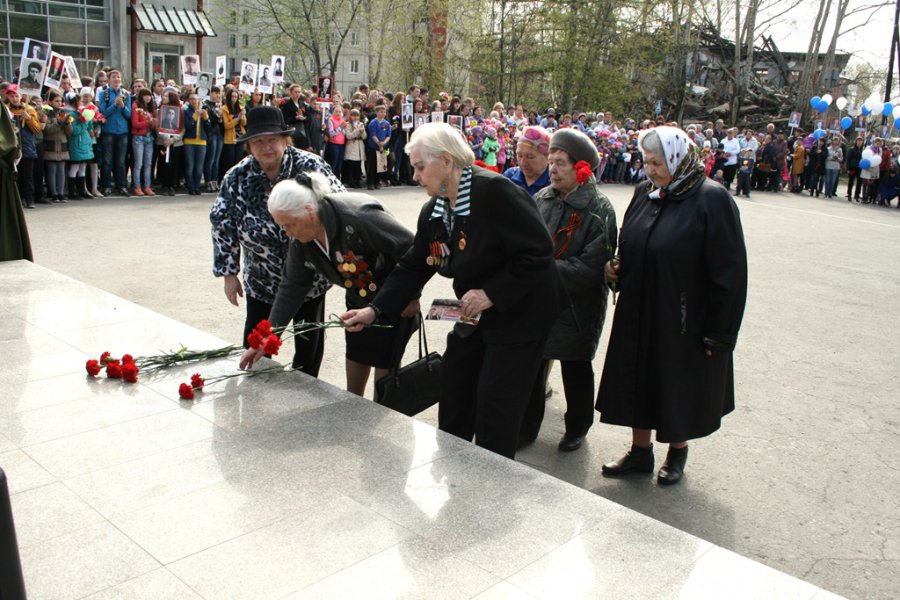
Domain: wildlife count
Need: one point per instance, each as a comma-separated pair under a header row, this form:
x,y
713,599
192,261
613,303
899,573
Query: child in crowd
x,y
746,163
719,177
354,152
490,148
56,147
92,171
637,174
81,145
502,139
476,141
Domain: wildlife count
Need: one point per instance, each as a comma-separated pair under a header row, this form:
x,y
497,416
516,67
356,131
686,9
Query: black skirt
x,y
381,347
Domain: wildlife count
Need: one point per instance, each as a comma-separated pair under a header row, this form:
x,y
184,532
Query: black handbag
x,y
415,387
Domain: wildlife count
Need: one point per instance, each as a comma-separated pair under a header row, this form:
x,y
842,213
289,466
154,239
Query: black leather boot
x,y
636,460
673,469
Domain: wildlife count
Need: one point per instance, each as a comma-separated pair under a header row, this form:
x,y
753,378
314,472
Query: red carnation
x,y
186,391
264,328
197,381
104,357
130,372
272,345
254,339
127,358
92,367
583,172
114,369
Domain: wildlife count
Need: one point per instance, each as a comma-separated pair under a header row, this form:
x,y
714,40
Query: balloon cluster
x,y
870,160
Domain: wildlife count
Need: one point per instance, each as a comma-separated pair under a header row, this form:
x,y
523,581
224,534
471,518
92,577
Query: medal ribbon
x,y
568,230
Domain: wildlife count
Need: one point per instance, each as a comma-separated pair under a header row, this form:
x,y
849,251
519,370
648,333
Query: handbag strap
x,y
423,339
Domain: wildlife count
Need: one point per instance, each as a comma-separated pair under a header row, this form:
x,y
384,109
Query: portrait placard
x,y
406,115
190,69
248,77
169,116
204,83
221,65
56,67
324,88
277,68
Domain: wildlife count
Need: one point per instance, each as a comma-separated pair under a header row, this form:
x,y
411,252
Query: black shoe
x,y
124,192
570,443
370,187
673,469
44,201
107,192
636,460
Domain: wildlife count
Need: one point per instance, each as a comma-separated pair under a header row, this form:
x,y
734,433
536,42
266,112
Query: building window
x,y
245,17
245,40
232,17
354,38
354,66
232,40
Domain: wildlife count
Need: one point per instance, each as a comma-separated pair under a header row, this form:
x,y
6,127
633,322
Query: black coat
x,y
507,253
354,223
683,285
579,261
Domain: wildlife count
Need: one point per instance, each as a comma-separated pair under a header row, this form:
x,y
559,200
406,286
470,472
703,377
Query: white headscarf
x,y
681,160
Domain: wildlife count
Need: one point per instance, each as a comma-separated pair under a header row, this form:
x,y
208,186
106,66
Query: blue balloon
x,y
865,111
888,109
822,106
819,133
846,122
814,101
865,163
897,123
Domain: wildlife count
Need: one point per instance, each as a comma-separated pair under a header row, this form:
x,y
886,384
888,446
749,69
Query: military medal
x,y
372,287
348,283
363,293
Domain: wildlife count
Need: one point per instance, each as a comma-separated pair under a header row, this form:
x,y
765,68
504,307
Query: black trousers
x,y
728,172
486,389
307,352
578,383
25,179
853,177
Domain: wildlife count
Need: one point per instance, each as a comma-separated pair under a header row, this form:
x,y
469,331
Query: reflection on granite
x,y
282,486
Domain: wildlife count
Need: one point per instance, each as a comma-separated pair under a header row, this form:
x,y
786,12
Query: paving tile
x,y
155,585
289,554
412,569
100,448
82,562
626,556
721,573
22,472
117,403
49,511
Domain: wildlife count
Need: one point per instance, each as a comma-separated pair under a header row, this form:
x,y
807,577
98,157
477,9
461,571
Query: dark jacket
x,y
289,112
817,159
580,258
854,155
507,253
363,233
683,286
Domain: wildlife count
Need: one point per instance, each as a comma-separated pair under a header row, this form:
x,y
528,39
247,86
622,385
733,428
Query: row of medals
x,y
350,267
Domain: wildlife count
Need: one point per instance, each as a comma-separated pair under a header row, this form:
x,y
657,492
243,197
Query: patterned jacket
x,y
241,221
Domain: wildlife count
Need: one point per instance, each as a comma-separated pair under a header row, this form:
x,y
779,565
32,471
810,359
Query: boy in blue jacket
x,y
115,104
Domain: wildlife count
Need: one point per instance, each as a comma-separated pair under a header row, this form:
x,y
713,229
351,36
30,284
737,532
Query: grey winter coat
x,y
584,232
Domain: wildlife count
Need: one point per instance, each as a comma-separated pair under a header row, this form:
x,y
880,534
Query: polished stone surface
x,y
282,486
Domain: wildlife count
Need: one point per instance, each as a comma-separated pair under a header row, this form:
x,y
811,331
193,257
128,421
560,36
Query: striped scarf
x,y
441,206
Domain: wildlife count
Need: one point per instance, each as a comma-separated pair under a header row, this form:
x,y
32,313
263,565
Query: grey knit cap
x,y
577,145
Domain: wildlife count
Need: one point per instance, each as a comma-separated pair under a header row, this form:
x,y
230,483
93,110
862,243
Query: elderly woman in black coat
x,y
351,240
582,226
682,272
485,233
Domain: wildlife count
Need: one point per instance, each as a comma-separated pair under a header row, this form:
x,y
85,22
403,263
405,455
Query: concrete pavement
x,y
803,475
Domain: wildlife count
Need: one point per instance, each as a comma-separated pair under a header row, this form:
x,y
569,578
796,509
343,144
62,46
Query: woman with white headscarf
x,y
681,273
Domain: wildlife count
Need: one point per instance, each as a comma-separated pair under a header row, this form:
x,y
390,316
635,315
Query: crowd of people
x,y
82,143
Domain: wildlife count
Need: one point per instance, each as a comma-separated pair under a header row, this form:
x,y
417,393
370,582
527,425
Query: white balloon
x,y
869,103
867,153
896,113
853,111
875,161
878,108
827,98
841,103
